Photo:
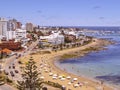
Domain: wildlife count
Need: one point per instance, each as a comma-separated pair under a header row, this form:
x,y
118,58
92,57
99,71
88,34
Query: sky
x,y
63,12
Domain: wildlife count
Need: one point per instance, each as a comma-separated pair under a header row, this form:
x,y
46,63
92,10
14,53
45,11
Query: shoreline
x,y
51,58
98,48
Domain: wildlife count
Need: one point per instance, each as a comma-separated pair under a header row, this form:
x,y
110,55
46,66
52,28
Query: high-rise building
x,y
12,25
19,25
29,26
3,26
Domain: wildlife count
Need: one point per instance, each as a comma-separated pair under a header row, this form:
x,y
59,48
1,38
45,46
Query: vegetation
x,y
90,49
66,56
9,81
57,85
31,80
2,78
67,40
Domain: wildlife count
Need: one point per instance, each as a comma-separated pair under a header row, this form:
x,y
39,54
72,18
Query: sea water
x,y
102,65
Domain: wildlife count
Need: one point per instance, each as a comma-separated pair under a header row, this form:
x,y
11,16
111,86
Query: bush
x,y
8,80
57,85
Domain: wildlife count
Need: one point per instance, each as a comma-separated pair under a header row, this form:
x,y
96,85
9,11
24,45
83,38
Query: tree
x,y
31,81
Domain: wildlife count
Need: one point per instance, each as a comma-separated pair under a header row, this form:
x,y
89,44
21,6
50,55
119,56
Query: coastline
x,y
51,58
99,44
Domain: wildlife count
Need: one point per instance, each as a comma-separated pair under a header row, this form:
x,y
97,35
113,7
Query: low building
x,y
10,45
20,34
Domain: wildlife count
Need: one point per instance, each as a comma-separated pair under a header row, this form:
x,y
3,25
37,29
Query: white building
x,y
76,34
11,35
54,38
3,26
20,34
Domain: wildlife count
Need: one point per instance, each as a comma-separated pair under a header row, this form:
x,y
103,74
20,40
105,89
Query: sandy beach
x,y
50,72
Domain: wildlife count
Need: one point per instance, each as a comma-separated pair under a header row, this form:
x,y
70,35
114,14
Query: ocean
x,y
102,65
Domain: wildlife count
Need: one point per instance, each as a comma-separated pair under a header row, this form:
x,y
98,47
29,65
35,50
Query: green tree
x,y
31,80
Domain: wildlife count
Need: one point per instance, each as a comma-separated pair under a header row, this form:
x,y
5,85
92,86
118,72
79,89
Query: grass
x,y
57,85
66,56
90,49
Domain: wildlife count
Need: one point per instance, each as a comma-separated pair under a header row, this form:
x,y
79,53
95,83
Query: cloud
x,y
96,7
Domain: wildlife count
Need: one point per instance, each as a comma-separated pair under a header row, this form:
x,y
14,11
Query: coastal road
x,y
12,61
6,87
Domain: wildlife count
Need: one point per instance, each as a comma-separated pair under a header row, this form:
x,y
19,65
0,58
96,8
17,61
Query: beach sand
x,y
45,63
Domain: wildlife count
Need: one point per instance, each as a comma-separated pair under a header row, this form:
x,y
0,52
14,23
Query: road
x,y
12,61
7,87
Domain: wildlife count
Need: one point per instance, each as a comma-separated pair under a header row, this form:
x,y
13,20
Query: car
x,y
12,74
16,71
19,62
13,67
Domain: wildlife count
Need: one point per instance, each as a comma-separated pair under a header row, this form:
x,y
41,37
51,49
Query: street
x,y
11,64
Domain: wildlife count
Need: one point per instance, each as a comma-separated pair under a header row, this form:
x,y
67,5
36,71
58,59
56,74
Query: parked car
x,y
12,74
16,71
19,62
13,67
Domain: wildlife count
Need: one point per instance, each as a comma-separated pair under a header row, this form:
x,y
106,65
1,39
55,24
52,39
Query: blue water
x,y
103,65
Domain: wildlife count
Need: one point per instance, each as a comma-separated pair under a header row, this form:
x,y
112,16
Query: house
x,y
11,44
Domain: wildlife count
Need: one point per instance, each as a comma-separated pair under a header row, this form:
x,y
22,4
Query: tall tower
x,y
3,26
12,25
29,26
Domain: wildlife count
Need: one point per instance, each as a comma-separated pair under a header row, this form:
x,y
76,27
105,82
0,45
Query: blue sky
x,y
63,12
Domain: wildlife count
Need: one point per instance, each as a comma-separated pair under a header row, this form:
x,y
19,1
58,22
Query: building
x,y
3,26
20,34
54,38
11,35
12,25
19,25
29,26
10,45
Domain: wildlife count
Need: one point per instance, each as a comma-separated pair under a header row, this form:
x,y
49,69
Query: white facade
x,y
54,38
20,34
3,26
73,33
11,35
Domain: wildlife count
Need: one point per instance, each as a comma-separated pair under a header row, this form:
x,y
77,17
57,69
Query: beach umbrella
x,y
41,66
45,64
76,85
75,79
62,79
68,77
50,74
63,76
46,70
42,77
55,75
81,84
69,83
